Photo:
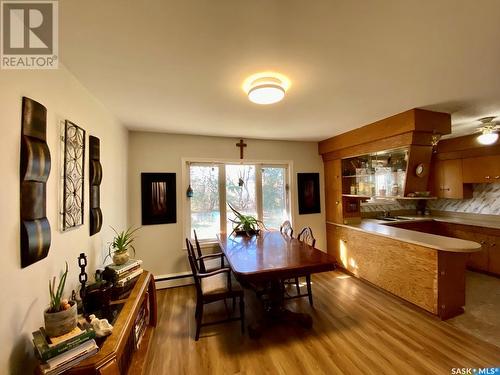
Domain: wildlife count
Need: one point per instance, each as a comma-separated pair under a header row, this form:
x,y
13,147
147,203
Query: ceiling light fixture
x,y
488,134
266,87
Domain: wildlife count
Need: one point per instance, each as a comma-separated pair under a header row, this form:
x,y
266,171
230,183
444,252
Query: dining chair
x,y
286,228
210,264
307,237
211,287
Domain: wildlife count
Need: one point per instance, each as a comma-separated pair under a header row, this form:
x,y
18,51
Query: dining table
x,y
263,261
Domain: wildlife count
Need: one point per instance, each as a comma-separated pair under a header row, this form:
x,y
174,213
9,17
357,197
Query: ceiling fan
x,y
488,130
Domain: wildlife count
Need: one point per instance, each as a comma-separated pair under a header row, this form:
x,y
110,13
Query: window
x,y
253,189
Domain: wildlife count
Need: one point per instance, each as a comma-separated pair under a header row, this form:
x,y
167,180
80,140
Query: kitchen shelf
x,y
388,197
416,198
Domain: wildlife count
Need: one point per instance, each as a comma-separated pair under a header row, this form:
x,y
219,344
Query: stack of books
x,y
59,354
123,276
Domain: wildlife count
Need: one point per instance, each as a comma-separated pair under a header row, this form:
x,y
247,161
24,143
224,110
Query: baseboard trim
x,y
173,280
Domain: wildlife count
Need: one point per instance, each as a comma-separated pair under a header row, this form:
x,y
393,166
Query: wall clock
x,y
420,170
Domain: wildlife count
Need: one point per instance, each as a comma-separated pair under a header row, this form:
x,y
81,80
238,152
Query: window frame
x,y
221,164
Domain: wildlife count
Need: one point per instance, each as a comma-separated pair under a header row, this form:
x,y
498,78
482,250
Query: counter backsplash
x,y
485,200
389,206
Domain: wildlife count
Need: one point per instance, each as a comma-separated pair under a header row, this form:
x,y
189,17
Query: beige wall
x,y
160,246
24,291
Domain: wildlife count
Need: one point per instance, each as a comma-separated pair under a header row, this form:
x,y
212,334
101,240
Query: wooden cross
x,y
241,145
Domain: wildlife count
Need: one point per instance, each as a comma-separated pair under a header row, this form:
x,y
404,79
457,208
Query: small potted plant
x,y
118,250
245,224
60,317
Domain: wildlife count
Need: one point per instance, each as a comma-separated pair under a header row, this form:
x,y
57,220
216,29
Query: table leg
x,y
276,313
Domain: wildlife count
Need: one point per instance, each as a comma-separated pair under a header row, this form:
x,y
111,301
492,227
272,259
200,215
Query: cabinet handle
x,y
497,177
487,177
492,244
482,242
345,241
337,202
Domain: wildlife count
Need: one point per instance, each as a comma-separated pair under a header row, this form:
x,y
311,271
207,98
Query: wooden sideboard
x,y
118,353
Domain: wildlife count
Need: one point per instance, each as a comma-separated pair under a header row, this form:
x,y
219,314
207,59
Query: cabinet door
x,y
494,255
481,169
333,191
448,180
480,259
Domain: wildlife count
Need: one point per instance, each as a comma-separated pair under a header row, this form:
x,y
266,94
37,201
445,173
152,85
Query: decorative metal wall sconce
x,y
34,172
95,178
74,161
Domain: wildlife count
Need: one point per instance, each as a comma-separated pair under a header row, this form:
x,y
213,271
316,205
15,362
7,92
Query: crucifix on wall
x,y
241,145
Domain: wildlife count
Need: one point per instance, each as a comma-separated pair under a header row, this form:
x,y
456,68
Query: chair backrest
x,y
197,243
198,250
286,228
193,264
306,235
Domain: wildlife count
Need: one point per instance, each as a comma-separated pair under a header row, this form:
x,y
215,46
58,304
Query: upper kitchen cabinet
x,y
333,188
448,180
481,169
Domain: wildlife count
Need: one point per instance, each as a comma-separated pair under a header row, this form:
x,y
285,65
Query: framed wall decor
x,y
95,178
159,203
73,143
308,193
34,172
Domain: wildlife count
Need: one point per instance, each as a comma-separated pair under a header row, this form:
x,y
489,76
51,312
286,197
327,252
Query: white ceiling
x,y
178,65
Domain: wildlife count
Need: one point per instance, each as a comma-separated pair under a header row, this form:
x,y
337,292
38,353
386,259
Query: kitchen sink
x,y
387,218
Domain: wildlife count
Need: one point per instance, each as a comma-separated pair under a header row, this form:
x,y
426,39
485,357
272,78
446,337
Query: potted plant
x,y
60,317
122,242
245,224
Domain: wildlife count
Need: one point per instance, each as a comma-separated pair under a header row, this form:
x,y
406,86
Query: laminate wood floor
x,y
358,329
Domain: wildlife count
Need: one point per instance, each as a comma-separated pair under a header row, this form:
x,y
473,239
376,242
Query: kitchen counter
x,y
433,241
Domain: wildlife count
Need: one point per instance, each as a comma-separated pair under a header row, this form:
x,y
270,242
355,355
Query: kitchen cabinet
x,y
333,189
494,255
448,180
481,169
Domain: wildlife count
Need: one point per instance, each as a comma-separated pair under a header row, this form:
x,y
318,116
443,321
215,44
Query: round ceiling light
x,y
488,137
266,88
488,134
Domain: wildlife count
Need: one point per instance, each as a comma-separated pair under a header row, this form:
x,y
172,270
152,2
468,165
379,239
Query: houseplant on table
x,y
60,317
118,250
245,224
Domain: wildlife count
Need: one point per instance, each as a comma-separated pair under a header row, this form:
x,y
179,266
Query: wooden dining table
x,y
263,261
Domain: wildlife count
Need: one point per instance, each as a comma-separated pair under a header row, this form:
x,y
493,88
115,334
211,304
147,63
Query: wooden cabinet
x,y
118,353
333,191
481,169
448,180
494,255
431,279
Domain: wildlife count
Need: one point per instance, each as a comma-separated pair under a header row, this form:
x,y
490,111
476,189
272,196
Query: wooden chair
x,y
307,237
210,264
286,228
212,287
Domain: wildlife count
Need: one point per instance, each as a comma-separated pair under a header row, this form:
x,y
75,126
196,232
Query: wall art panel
x,y
34,172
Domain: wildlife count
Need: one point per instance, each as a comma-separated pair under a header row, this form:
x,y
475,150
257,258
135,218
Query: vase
x,y
61,322
120,258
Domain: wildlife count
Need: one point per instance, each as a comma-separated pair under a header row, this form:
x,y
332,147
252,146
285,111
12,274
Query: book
x,y
46,348
131,263
69,359
123,281
112,276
